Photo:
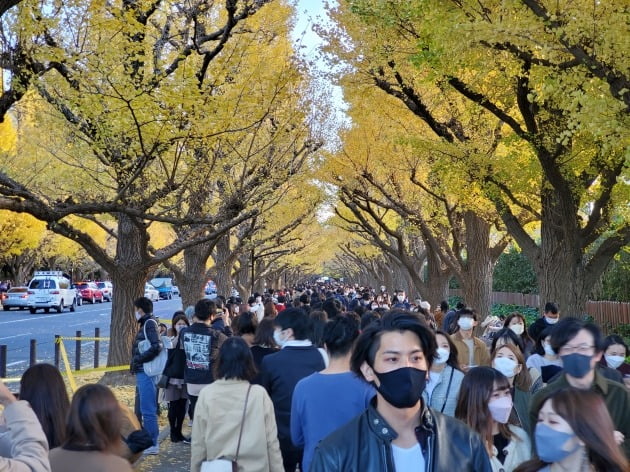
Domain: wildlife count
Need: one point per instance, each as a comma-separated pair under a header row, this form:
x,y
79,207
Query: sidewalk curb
x,y
161,437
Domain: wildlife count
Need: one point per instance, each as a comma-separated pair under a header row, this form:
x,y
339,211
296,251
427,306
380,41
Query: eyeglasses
x,y
584,349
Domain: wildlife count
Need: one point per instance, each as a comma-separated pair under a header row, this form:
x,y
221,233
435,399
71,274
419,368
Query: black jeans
x,y
291,458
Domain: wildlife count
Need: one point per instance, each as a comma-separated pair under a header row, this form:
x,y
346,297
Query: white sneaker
x,y
152,451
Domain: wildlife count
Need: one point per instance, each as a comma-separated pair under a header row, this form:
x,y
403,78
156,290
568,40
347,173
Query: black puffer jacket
x,y
138,359
365,444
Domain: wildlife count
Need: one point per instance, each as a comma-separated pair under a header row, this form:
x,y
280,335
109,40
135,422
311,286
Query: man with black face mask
x,y
398,431
580,347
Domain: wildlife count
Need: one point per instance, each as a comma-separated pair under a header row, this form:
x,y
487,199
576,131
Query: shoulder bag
x,y
156,365
175,365
225,464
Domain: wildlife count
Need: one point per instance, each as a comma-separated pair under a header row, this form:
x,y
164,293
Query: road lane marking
x,y
16,336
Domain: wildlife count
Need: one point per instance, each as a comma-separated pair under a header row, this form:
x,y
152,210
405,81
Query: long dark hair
x,y
452,358
586,413
235,360
522,380
43,387
472,403
264,333
95,420
177,316
524,335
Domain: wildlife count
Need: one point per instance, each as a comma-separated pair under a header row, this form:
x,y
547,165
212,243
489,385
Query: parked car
x,y
17,297
151,292
107,289
175,289
50,289
164,286
90,292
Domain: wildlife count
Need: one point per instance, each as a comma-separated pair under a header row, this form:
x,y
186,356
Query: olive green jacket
x,y
616,397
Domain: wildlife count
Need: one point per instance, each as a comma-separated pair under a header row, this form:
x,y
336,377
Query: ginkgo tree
x,y
135,94
545,84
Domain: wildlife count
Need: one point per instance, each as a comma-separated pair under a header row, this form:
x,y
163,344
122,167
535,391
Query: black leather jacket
x,y
364,444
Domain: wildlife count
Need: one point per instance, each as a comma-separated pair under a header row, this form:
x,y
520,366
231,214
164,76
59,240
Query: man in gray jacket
x,y
29,446
398,432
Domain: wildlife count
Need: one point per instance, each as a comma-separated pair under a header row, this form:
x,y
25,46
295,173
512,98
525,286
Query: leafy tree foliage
x,y
151,118
545,85
514,273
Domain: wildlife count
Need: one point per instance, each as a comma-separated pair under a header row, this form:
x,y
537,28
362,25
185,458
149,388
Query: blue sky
x,y
309,12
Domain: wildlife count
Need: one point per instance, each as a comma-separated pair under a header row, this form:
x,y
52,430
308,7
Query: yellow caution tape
x,y
66,363
10,379
101,369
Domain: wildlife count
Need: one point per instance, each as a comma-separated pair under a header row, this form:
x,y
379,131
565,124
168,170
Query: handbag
x,y
156,365
175,362
225,464
163,382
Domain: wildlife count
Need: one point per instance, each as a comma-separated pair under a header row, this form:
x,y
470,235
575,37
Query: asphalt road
x,y
17,328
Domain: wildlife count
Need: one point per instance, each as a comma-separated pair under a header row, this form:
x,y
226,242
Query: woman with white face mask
x,y
175,392
445,377
615,353
516,322
544,359
485,405
508,360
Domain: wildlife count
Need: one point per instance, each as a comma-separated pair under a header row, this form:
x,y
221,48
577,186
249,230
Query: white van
x,y
50,289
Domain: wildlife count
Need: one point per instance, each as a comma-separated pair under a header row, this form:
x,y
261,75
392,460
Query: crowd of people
x,y
343,378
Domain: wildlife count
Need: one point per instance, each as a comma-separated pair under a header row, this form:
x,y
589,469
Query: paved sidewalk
x,y
173,457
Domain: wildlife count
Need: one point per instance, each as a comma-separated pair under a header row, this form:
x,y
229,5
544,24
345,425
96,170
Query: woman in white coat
x,y
485,404
219,413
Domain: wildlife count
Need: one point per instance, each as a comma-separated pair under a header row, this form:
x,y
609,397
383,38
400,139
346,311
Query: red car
x,y
90,292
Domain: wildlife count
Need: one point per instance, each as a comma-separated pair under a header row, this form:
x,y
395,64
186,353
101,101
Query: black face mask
x,y
402,387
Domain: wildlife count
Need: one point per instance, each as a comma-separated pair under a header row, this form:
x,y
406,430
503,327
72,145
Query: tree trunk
x,y
437,279
128,279
224,263
192,279
476,275
560,270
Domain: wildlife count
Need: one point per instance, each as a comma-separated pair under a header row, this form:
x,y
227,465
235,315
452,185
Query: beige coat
x,y
28,443
481,356
63,460
217,422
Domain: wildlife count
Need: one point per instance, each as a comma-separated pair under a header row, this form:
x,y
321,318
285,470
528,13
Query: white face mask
x,y
548,349
382,288
374,306
517,328
465,323
614,361
258,299
442,355
179,327
400,298
505,365
277,337
500,409
551,321
138,315
236,309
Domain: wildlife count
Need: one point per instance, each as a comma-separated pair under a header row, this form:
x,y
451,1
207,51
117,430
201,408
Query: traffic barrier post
x,y
77,351
33,353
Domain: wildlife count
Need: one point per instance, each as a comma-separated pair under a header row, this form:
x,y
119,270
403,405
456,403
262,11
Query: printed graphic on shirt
x,y
197,348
